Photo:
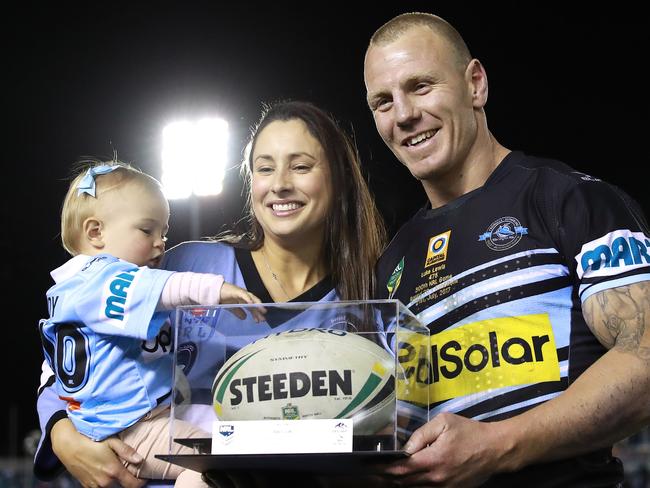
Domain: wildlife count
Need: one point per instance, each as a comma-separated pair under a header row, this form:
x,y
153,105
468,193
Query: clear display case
x,y
334,386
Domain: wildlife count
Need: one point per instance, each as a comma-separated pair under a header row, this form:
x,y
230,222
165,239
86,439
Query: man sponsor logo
x,y
614,253
437,249
116,297
483,356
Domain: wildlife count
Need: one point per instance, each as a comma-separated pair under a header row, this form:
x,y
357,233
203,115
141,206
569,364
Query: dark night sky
x,y
84,81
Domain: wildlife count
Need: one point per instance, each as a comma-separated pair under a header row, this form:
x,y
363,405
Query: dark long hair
x,y
355,233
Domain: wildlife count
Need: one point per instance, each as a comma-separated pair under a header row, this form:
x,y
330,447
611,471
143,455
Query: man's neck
x,y
473,173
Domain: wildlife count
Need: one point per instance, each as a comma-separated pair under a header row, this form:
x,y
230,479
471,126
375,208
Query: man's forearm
x,y
610,400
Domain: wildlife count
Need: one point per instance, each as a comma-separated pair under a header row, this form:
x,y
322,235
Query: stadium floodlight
x,y
194,156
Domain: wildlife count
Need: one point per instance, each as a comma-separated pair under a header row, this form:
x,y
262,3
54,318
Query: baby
x,y
107,300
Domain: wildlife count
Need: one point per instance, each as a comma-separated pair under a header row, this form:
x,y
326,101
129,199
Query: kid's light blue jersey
x,y
237,267
101,311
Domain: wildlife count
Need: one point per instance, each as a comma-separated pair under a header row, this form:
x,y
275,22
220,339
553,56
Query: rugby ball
x,y
309,374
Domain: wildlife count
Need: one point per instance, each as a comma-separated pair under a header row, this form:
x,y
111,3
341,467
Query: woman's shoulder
x,y
197,255
198,246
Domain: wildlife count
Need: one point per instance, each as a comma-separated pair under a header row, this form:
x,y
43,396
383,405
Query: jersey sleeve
x,y
604,232
120,298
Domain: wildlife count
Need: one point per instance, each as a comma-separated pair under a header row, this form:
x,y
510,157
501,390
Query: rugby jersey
x,y
499,274
101,310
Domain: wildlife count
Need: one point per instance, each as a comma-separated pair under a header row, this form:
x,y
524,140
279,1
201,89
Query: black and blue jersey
x,y
499,275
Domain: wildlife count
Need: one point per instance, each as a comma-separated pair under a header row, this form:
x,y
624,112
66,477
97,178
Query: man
x,y
532,277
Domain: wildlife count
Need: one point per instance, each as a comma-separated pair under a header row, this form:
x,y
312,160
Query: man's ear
x,y
477,77
93,232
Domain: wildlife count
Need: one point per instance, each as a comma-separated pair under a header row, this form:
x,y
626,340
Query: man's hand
x,y
94,464
449,450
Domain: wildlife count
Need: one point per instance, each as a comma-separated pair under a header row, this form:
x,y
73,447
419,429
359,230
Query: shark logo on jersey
x,y
395,279
614,253
503,234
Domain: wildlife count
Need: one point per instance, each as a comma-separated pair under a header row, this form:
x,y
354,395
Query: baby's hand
x,y
233,294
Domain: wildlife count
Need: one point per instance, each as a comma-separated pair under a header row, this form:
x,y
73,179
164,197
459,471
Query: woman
x,y
314,235
313,230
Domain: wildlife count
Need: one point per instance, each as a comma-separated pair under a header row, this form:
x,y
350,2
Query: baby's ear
x,y
93,232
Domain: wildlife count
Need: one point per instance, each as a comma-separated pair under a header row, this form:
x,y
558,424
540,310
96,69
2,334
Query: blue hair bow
x,y
87,183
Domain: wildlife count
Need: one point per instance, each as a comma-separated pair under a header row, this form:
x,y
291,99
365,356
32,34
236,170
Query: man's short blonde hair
x,y
397,26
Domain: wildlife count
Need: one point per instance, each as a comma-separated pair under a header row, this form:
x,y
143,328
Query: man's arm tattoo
x,y
618,317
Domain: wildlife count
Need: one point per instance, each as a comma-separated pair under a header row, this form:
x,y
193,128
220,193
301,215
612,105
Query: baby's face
x,y
135,222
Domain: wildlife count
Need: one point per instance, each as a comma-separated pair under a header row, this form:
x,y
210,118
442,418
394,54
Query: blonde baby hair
x,y
81,202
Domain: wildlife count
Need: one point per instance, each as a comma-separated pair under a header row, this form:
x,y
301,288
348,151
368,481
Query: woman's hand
x,y
94,464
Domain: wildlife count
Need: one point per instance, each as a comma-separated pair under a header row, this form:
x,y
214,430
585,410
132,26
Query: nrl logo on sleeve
x,y
614,253
503,234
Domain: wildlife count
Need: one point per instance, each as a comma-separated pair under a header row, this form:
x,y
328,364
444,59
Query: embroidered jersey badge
x,y
503,234
437,249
